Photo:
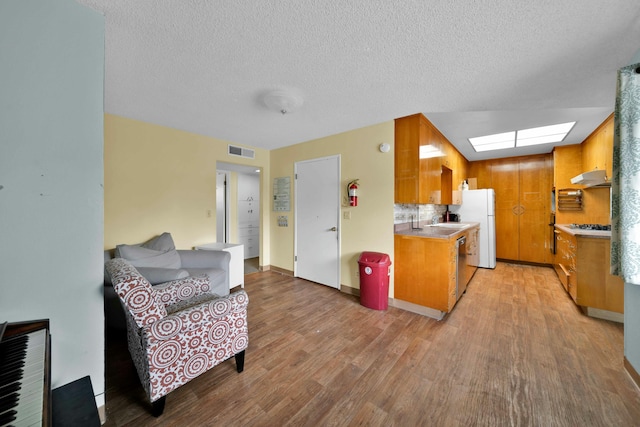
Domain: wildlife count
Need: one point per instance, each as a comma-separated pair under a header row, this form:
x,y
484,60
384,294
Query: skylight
x,y
522,138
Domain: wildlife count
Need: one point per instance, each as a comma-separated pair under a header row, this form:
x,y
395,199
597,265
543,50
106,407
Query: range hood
x,y
594,178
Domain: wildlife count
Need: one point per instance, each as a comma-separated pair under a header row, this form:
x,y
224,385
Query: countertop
x,y
598,234
437,231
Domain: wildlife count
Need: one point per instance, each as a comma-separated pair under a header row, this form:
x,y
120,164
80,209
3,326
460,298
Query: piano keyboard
x,y
22,374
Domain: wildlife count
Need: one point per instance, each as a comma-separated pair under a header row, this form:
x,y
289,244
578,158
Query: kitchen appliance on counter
x,y
480,206
449,216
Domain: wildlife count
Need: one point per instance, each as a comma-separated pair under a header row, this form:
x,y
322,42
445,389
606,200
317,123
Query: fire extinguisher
x,y
352,190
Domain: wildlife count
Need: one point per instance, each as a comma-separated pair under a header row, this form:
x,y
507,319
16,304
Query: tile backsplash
x,y
402,212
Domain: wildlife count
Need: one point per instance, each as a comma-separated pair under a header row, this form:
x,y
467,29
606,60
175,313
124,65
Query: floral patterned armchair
x,y
178,330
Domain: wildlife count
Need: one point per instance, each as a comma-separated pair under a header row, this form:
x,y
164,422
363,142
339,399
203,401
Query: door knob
x,y
333,229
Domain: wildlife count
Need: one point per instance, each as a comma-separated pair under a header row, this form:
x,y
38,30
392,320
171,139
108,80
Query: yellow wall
x,y
371,225
161,179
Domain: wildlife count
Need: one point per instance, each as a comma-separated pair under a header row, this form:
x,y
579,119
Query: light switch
x,y
346,215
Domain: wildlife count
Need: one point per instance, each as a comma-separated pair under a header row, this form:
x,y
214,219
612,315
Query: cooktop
x,y
599,227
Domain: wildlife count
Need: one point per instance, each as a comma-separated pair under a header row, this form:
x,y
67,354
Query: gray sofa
x,y
159,262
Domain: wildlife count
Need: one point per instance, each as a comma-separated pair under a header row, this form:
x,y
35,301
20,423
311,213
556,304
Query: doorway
x,y
238,210
317,221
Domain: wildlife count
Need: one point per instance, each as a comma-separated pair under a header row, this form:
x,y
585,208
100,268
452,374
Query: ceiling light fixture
x,y
497,141
543,135
282,101
522,138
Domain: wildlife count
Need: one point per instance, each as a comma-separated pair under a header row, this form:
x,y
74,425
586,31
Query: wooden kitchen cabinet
x,y
582,264
425,271
597,149
523,198
424,181
565,263
596,287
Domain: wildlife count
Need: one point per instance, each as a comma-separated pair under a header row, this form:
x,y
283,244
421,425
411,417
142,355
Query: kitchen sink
x,y
450,225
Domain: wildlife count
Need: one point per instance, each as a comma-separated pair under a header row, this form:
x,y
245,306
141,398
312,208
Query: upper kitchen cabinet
x,y
597,149
409,132
426,164
567,163
481,171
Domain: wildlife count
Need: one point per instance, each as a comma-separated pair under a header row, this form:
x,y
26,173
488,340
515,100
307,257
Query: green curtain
x,y
625,188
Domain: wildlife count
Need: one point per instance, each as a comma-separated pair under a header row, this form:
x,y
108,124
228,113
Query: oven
x,y
553,243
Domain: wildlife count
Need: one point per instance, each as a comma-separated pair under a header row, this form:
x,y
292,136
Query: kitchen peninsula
x,y
433,265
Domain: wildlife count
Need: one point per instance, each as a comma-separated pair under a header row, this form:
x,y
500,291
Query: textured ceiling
x,y
473,67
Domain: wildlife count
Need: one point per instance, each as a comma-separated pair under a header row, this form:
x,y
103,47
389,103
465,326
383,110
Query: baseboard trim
x,y
514,261
635,377
279,270
349,290
418,309
604,314
102,413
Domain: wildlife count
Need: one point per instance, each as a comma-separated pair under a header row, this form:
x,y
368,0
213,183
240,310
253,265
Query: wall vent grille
x,y
241,152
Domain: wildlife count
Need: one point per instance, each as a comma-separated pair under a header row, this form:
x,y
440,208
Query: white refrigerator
x,y
480,206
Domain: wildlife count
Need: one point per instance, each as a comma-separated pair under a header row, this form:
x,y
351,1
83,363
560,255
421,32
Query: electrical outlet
x,y
346,215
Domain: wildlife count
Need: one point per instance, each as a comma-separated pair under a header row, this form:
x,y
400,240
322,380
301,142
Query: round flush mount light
x,y
384,147
282,101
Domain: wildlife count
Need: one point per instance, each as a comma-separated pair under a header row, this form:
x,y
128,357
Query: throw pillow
x,y
163,242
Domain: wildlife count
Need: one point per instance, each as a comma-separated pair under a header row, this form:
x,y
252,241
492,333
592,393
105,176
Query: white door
x,y
317,218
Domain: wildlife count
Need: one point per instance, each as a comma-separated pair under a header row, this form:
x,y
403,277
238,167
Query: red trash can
x,y
374,280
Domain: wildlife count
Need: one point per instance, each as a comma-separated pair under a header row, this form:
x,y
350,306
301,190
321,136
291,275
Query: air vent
x,y
241,152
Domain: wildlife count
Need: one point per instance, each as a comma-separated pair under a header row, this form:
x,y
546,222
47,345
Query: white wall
x,y
51,179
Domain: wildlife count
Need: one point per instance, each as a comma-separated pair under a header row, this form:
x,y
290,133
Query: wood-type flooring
x,y
515,351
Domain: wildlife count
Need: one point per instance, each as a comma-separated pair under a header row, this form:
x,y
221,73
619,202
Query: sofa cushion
x,y
157,275
140,256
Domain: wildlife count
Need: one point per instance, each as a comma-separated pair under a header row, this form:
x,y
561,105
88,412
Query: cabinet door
x,y
504,177
534,197
607,146
429,284
248,213
407,161
248,187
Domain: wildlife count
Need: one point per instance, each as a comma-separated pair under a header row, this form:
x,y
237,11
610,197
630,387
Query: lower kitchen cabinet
x,y
582,264
596,287
425,271
565,264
